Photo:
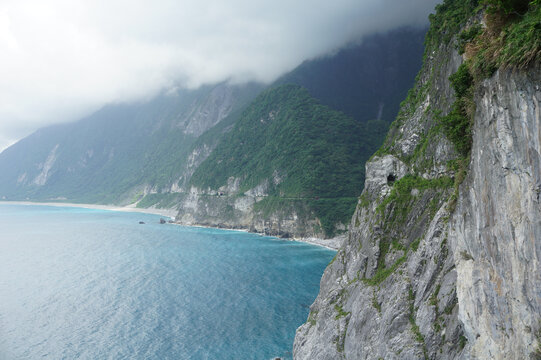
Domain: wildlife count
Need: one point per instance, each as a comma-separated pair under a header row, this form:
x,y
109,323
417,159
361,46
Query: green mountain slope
x,y
300,148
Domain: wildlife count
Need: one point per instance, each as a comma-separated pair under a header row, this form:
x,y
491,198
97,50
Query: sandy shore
x,y
331,244
171,213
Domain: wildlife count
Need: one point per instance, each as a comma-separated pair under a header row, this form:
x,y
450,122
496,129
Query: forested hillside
x,y
302,149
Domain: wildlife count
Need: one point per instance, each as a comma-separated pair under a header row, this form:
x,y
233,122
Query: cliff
x,y
442,256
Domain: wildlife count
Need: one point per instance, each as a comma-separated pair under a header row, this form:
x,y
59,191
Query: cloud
x,y
62,59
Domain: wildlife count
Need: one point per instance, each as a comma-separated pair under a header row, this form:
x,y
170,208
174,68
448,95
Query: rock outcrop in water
x,y
442,258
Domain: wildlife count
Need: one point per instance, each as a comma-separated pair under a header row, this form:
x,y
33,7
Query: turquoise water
x,y
92,284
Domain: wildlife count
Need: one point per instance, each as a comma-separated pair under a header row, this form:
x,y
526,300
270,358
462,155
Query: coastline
x,y
170,213
331,244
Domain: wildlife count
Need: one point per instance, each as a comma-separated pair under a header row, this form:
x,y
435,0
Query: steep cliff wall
x,y
496,229
390,291
442,257
228,209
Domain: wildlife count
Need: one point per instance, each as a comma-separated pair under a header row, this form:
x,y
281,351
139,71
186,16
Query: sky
x,y
63,59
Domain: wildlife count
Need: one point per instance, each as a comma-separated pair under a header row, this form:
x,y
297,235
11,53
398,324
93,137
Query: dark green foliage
x,y
523,39
457,124
375,302
450,16
341,312
317,153
512,38
333,211
415,244
467,36
329,211
462,341
457,127
508,7
461,80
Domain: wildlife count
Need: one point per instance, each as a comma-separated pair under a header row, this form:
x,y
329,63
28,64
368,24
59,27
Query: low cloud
x,y
62,59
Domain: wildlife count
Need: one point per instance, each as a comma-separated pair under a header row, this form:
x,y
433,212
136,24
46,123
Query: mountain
x,y
366,81
120,152
444,248
289,149
295,172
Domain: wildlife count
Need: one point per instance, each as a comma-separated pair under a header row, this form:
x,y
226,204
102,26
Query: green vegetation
x,y
449,18
462,341
414,327
511,39
361,91
312,318
333,211
341,312
415,244
458,123
449,308
401,199
536,354
165,200
383,273
303,150
108,156
467,36
434,297
401,194
509,7
375,302
273,204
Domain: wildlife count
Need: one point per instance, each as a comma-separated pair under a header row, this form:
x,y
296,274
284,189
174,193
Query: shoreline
x,y
331,244
170,213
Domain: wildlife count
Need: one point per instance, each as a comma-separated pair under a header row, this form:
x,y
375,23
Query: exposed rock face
x,y
390,292
227,208
46,167
496,229
209,111
417,278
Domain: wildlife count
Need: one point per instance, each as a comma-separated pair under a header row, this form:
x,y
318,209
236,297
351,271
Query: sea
x,y
95,284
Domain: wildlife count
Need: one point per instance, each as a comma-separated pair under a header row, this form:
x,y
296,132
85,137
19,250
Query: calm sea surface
x,y
91,284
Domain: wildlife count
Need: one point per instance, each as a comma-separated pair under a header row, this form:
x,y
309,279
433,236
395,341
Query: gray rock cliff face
x,y
228,208
496,228
419,278
390,292
207,112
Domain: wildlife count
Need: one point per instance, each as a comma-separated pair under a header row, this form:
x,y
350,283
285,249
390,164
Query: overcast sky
x,y
62,59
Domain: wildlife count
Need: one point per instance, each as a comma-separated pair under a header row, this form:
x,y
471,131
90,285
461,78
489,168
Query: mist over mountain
x,y
146,152
63,60
366,81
